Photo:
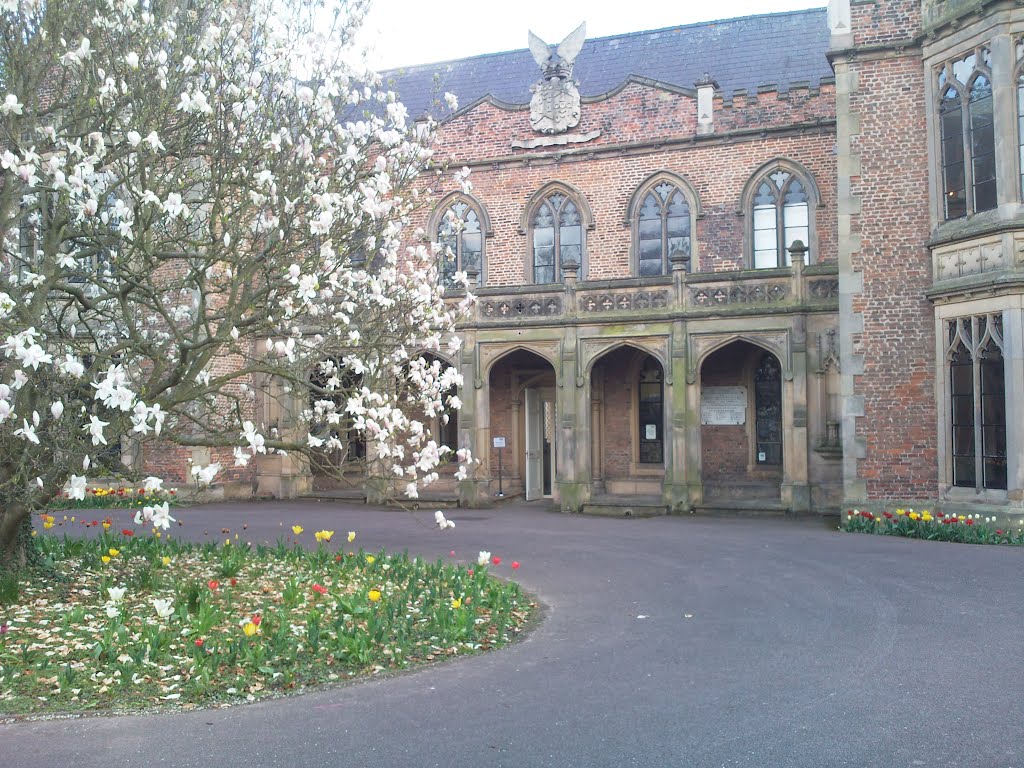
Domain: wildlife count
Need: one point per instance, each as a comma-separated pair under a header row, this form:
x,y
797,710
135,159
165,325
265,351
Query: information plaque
x,y
723,406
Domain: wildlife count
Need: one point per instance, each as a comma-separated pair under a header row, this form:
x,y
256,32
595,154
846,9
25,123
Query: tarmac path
x,y
665,642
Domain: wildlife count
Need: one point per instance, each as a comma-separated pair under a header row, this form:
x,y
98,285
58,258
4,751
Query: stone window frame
x,y
486,229
635,206
587,225
1012,316
1018,81
943,81
746,208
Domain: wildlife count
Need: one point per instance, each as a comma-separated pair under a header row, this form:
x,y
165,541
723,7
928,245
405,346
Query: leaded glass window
x,y
781,216
652,413
462,239
768,410
967,135
977,402
557,237
663,229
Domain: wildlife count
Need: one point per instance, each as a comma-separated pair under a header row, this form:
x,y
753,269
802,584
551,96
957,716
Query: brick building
x,y
775,261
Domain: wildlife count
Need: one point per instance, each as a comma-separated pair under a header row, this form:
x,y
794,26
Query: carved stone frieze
x,y
527,306
824,289
972,259
624,302
759,293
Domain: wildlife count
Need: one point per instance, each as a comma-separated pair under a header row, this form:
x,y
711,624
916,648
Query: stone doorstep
x,y
626,506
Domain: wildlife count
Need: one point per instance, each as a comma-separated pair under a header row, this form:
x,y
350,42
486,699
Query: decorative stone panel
x,y
759,293
624,302
824,289
511,309
971,258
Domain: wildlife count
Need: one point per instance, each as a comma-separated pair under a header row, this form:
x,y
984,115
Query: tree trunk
x,y
17,547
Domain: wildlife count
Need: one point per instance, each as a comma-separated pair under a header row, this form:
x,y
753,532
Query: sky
x,y
405,32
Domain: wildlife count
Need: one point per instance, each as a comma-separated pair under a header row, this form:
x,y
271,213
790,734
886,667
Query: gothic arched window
x,y
780,215
1020,112
967,135
663,227
460,230
557,237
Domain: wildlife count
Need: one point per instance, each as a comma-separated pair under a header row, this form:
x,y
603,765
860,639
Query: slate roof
x,y
744,53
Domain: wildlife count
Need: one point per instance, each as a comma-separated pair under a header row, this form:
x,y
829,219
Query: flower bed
x,y
122,497
965,529
128,622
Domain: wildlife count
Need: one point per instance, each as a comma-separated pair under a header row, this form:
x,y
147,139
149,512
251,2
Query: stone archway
x,y
743,455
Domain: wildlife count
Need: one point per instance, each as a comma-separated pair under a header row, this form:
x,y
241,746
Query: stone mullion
x,y
979,449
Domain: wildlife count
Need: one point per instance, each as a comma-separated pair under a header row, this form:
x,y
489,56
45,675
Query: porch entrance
x,y
741,424
540,433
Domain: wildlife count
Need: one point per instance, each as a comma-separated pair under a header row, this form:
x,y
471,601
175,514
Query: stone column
x,y
676,493
1013,375
572,409
473,489
706,88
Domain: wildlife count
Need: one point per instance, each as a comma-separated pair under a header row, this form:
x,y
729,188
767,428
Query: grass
x,y
123,623
963,529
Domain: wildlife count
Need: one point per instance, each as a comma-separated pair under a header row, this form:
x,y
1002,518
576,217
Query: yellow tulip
x,y
457,603
297,529
48,524
105,559
250,629
114,552
914,516
351,536
926,517
370,559
165,560
374,595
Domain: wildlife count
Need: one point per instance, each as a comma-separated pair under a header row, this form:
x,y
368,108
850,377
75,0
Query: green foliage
x,y
962,529
10,588
166,621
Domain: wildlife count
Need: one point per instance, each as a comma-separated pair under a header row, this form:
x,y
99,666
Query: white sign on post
x,y
499,442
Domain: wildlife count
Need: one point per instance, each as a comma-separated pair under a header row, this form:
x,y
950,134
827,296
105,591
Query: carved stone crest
x,y
555,106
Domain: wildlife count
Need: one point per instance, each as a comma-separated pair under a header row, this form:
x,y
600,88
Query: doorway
x,y
540,438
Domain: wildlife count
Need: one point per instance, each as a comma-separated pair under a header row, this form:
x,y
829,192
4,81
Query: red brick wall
x,y
899,425
725,449
617,371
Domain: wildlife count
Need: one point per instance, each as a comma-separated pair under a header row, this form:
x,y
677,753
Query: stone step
x,y
626,506
741,508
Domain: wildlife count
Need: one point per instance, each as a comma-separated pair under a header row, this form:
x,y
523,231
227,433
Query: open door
x,y
534,444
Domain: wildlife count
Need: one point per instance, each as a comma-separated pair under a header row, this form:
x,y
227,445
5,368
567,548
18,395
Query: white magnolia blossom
x,y
229,224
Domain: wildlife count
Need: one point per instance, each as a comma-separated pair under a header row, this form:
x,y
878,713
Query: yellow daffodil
x,y
374,595
105,559
297,529
457,603
250,629
370,559
165,560
324,535
114,552
351,536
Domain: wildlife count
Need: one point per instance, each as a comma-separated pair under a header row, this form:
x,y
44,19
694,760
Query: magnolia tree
x,y
201,210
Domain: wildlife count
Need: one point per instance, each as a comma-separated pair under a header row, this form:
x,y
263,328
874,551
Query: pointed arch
x,y
488,366
460,222
657,354
556,220
662,213
765,344
779,199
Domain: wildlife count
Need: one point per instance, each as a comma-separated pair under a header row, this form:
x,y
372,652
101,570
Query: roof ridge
x,y
433,65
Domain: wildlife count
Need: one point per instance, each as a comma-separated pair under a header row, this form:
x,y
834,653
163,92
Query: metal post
x,y
501,491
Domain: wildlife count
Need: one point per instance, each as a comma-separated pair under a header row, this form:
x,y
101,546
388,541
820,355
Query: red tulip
x,y
127,532
320,589
199,642
496,560
214,584
515,565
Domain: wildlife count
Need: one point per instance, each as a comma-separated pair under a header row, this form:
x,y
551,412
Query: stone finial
x,y
706,89
798,252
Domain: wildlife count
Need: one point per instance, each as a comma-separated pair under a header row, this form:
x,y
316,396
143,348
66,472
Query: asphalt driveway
x,y
666,642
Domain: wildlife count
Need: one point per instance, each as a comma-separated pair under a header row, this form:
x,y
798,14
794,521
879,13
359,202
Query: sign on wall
x,y
723,406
